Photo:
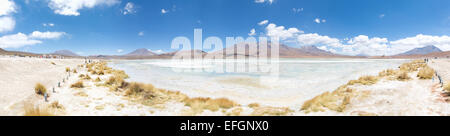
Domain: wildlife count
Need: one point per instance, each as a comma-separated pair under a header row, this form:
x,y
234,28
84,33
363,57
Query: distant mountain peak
x,y
141,52
422,50
65,53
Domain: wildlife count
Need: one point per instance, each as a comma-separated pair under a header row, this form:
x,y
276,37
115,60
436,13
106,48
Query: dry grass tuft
x,y
56,105
271,111
364,80
425,73
235,112
336,100
53,63
199,104
40,89
75,71
253,105
412,66
97,79
82,94
81,76
387,72
447,87
78,84
87,77
31,110
403,76
67,69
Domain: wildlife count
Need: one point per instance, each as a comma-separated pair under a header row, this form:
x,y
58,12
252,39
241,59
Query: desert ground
x,y
96,89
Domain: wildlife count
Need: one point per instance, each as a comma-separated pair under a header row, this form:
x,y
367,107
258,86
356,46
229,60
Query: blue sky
x,y
88,27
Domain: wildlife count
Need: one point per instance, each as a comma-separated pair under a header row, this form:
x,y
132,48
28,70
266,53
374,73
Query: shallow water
x,y
289,83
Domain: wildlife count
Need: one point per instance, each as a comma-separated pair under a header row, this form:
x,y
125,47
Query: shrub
x,y
40,89
67,69
75,71
425,73
78,84
81,76
53,63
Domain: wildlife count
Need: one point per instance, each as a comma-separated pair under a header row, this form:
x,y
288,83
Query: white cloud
x,y
280,32
252,32
263,22
48,24
442,42
141,33
119,51
157,51
129,9
71,7
362,44
46,35
327,49
316,39
381,16
297,10
262,1
163,11
16,41
318,20
7,24
7,7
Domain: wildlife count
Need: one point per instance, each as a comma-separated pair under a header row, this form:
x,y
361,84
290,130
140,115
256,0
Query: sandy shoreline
x,y
385,97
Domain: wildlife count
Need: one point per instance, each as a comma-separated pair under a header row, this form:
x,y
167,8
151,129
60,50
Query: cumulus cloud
x,y
363,45
252,32
316,39
262,1
263,22
164,11
48,24
280,31
7,7
46,35
442,42
71,7
7,24
16,41
119,51
129,9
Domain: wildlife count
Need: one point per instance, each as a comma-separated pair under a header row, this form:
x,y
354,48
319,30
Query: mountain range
x,y
65,53
284,51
